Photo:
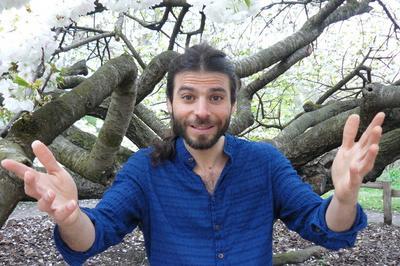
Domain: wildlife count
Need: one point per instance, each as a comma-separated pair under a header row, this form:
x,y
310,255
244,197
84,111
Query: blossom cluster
x,y
28,37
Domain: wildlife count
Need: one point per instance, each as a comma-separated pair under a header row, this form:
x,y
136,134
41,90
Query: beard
x,y
202,142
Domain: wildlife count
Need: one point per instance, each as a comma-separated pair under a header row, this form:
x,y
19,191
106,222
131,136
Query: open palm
x,y
55,190
355,159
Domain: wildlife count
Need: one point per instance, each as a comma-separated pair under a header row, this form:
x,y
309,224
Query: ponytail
x,y
163,149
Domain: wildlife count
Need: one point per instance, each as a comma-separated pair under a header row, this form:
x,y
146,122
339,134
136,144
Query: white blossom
x,y
7,4
16,106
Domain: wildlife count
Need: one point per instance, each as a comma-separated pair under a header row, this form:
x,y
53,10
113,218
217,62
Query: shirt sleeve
x,y
303,211
118,212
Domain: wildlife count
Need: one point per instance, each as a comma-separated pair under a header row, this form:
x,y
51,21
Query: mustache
x,y
200,122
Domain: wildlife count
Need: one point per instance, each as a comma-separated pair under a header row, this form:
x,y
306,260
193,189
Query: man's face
x,y
201,107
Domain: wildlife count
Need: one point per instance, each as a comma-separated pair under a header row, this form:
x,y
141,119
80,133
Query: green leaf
x,y
247,2
54,68
21,82
37,84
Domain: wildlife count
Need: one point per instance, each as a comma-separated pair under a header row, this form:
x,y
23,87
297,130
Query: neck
x,y
208,157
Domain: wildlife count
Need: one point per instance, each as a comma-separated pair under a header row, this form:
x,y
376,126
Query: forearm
x,y
340,216
80,235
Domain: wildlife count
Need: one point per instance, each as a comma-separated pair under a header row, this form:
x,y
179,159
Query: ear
x,y
169,106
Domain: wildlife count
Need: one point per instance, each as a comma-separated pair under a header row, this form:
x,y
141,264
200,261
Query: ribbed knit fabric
x,y
184,225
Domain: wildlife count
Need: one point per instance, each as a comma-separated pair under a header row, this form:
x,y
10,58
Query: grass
x,y
371,199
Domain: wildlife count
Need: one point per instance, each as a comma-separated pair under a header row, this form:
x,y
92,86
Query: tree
x,y
118,91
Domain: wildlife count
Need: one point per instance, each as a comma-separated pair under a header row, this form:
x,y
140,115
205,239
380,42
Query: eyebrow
x,y
219,89
191,89
185,88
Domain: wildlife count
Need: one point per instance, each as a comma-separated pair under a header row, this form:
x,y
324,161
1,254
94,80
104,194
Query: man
x,y
204,197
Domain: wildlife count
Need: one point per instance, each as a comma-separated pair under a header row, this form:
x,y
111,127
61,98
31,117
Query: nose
x,y
202,110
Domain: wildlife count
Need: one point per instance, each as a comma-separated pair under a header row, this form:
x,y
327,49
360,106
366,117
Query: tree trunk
x,y
52,119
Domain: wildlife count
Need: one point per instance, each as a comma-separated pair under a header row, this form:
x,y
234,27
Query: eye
x,y
216,98
187,97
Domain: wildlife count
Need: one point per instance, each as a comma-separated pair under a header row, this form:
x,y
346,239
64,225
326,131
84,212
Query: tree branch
x,y
83,42
307,34
297,256
150,119
70,82
138,132
135,54
344,81
53,118
11,187
199,31
327,135
152,25
318,172
244,117
101,158
177,27
396,25
310,119
278,70
86,141
79,68
153,74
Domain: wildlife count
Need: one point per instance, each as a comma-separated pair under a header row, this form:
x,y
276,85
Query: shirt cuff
x,y
337,240
71,256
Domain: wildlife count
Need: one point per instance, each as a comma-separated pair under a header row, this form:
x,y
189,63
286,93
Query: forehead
x,y
201,80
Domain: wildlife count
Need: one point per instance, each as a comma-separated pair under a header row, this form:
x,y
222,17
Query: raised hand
x,y
355,159
55,191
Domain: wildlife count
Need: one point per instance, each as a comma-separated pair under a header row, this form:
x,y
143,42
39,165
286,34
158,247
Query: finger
x,y
45,202
65,211
30,186
368,162
350,131
377,121
374,136
45,156
17,168
373,139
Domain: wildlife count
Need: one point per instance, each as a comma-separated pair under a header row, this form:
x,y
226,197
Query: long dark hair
x,y
201,57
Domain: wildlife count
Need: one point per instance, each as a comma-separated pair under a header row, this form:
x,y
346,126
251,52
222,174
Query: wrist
x,y
345,202
73,220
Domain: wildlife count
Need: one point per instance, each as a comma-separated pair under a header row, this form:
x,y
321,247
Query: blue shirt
x,y
183,224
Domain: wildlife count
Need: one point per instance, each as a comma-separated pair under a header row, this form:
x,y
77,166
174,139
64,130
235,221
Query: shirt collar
x,y
184,156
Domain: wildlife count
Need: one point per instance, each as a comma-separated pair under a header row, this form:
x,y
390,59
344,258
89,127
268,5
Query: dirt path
x,y
26,239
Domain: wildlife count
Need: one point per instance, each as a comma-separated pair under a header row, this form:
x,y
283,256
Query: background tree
x,y
302,73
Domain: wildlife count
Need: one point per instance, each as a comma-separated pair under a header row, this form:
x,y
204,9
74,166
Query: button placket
x,y
217,226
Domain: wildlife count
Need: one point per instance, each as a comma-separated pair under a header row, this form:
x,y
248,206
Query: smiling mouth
x,y
201,127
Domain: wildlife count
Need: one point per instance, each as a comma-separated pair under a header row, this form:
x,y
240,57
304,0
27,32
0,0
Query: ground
x,y
26,239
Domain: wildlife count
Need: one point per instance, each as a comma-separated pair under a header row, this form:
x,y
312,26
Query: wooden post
x,y
387,202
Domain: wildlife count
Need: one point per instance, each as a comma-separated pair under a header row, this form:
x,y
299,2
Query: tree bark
x,y
52,119
11,188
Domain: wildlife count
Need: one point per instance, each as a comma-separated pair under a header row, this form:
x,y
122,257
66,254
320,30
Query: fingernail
x,y
35,142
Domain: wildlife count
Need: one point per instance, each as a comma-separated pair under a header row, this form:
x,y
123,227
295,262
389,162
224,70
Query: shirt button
x,y
220,256
190,159
315,228
217,227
